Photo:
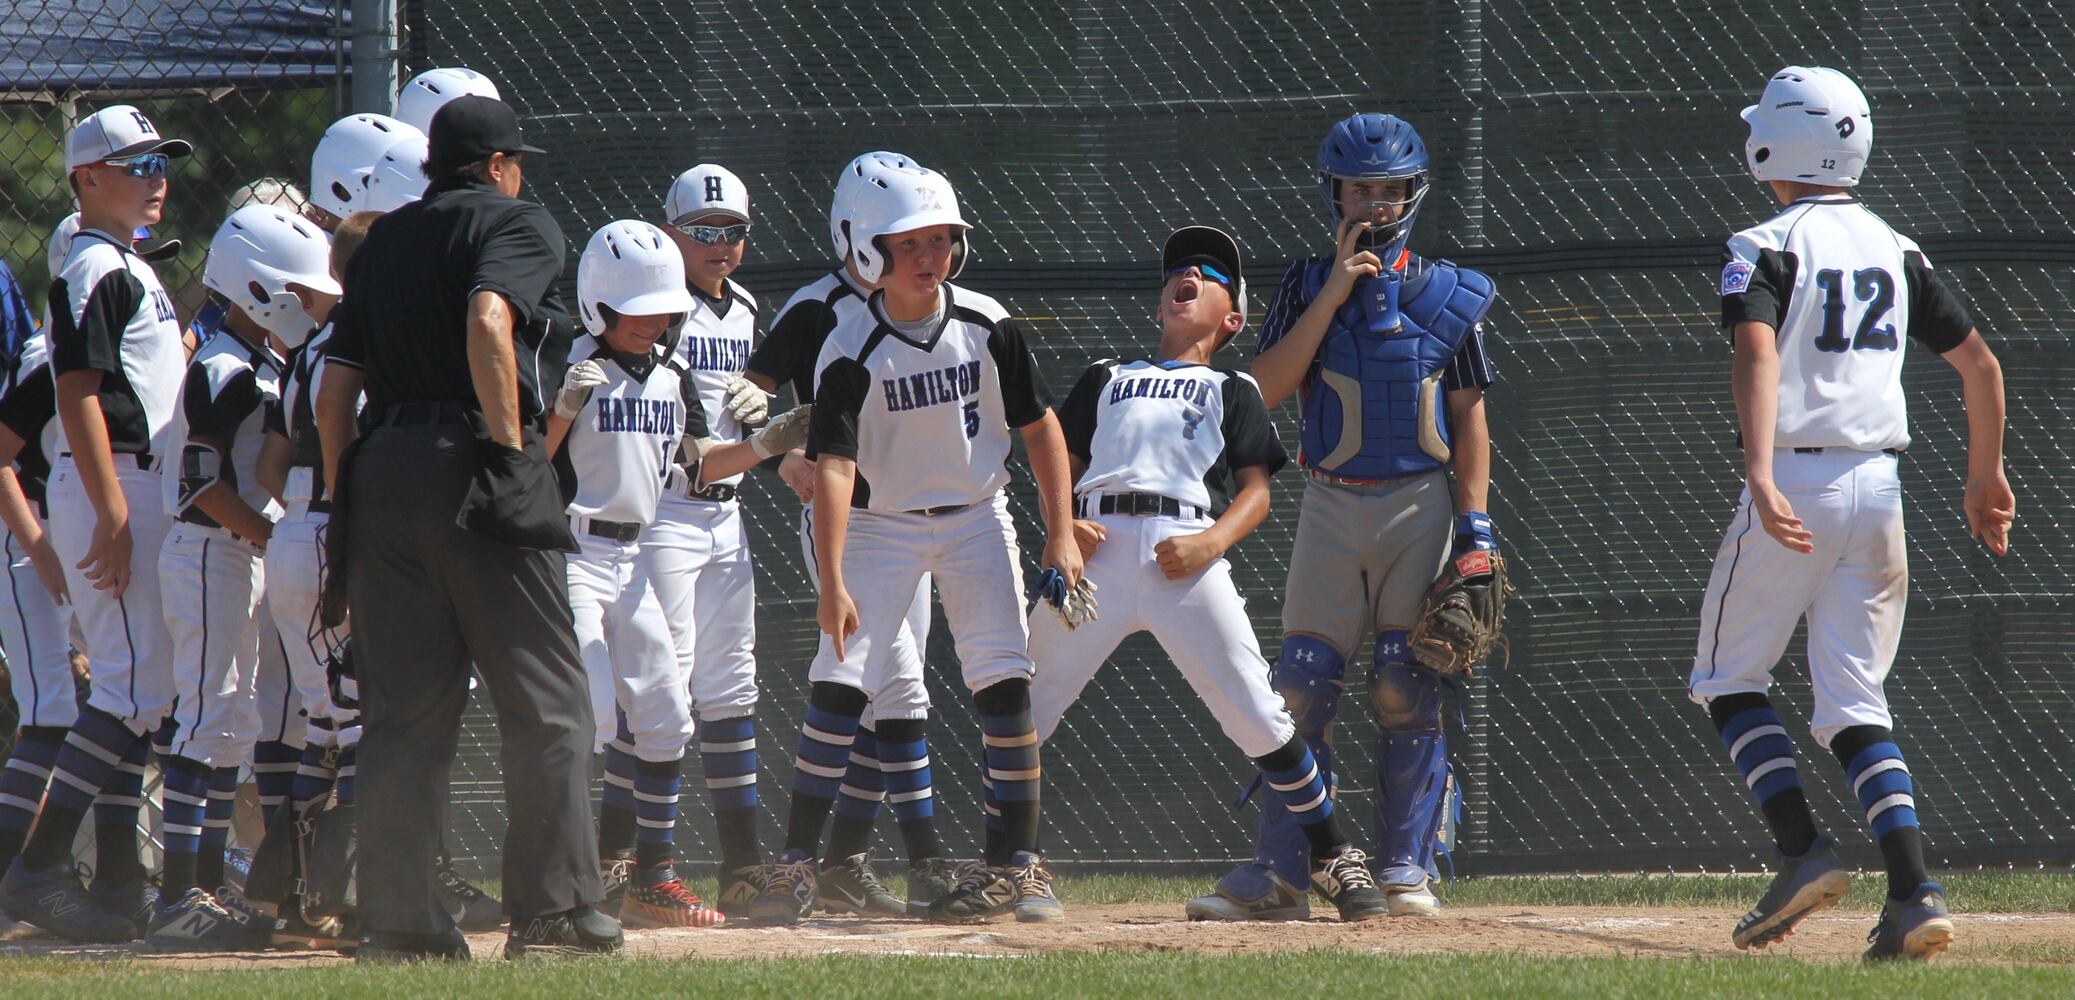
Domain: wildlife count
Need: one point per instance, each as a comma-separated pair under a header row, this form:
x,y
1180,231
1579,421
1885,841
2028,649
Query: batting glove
x,y
748,403
784,433
583,377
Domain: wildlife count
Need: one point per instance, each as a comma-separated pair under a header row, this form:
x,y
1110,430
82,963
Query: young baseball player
x,y
1171,461
1821,302
1387,351
847,882
345,159
623,415
273,271
418,100
118,358
917,393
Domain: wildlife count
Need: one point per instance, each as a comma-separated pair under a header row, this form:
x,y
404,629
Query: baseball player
x,y
1171,462
117,357
623,415
1821,302
917,393
429,91
273,270
847,882
1387,350
345,158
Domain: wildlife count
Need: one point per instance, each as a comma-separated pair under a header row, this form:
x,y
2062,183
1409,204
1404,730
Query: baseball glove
x,y
1459,624
1075,605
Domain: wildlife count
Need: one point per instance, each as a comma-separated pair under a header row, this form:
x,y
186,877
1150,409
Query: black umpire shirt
x,y
407,324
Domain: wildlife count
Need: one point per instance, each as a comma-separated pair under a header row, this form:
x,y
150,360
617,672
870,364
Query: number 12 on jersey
x,y
1873,286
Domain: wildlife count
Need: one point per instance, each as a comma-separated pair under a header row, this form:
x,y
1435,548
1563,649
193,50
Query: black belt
x,y
949,508
716,492
1817,451
1137,505
319,507
142,458
618,531
195,517
424,414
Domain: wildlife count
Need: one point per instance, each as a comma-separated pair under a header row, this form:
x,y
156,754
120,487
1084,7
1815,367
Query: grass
x,y
1102,975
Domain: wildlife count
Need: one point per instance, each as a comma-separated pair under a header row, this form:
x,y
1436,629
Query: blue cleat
x,y
789,891
1912,929
1252,892
54,900
1814,881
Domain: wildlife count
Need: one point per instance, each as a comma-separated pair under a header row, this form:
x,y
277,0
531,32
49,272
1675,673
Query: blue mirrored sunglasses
x,y
710,235
144,164
1208,271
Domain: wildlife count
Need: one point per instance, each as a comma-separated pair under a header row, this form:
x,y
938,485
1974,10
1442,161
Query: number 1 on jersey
x,y
1873,286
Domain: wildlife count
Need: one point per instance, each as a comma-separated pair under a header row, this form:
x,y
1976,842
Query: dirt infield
x,y
1527,931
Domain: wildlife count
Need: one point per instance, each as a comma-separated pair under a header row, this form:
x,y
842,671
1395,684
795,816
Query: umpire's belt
x,y
1897,452
716,492
622,532
1136,505
424,415
141,458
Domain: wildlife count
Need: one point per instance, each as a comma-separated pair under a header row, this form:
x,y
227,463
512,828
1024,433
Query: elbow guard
x,y
201,467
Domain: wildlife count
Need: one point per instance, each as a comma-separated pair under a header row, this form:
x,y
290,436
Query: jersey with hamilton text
x,y
117,320
789,352
927,420
1843,292
294,415
28,407
223,403
713,350
1168,428
624,442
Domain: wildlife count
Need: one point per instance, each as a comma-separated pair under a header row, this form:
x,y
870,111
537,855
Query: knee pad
x,y
1310,676
1403,695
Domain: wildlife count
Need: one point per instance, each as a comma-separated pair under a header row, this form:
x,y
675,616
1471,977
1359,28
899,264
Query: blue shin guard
x,y
1309,674
1411,763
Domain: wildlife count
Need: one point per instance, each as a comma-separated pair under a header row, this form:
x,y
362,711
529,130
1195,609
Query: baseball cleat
x,y
1418,900
656,897
393,948
788,891
1345,881
293,933
198,922
1035,903
739,888
138,897
1814,881
572,934
985,892
1912,929
615,872
54,900
851,886
256,914
931,879
472,908
1252,892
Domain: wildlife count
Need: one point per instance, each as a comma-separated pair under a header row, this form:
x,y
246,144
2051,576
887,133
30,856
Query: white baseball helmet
x,y
399,176
254,256
1811,125
61,244
346,155
848,184
427,91
703,190
896,200
632,268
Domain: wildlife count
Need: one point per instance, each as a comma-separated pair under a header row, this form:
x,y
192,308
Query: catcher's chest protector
x,y
1376,407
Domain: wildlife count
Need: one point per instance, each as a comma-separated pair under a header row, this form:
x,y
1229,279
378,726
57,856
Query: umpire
x,y
449,524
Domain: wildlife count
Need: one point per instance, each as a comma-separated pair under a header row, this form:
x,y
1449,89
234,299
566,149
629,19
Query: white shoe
x,y
1413,900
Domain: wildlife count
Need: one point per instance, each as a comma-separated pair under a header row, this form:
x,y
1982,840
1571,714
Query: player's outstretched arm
x,y
1049,465
781,435
835,480
1990,505
1183,556
1755,382
1471,451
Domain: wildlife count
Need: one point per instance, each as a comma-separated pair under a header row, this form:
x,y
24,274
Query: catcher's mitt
x,y
1460,621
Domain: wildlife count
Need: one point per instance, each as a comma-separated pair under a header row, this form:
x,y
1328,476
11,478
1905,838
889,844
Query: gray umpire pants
x,y
428,599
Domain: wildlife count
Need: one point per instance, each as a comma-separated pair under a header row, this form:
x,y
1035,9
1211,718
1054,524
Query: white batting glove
x,y
583,377
749,404
784,433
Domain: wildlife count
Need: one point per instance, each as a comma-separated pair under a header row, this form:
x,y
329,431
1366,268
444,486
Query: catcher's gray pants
x,y
1364,558
428,597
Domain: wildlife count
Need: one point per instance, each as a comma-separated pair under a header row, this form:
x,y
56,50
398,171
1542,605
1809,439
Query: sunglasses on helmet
x,y
1207,271
143,164
711,235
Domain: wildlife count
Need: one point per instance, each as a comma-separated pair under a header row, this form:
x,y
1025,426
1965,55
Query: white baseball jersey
x,y
790,350
1842,291
1168,428
34,629
294,415
119,321
28,407
712,350
927,420
623,442
230,385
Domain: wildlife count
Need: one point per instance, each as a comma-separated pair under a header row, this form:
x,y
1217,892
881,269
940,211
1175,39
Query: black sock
x,y
1752,730
1873,765
615,830
1291,764
919,839
209,868
1011,755
736,829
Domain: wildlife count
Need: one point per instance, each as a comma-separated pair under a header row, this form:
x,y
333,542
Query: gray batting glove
x,y
749,404
784,433
583,377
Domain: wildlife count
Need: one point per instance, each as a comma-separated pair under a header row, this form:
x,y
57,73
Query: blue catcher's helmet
x,y
1373,147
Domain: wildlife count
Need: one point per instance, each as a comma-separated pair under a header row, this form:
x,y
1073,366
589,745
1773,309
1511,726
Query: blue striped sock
x,y
728,756
656,785
864,784
22,783
1881,781
118,811
313,777
616,825
904,757
823,757
1757,742
96,743
185,794
274,767
1010,748
1294,775
216,827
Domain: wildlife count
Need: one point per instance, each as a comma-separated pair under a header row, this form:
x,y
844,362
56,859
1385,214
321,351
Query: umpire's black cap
x,y
471,128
